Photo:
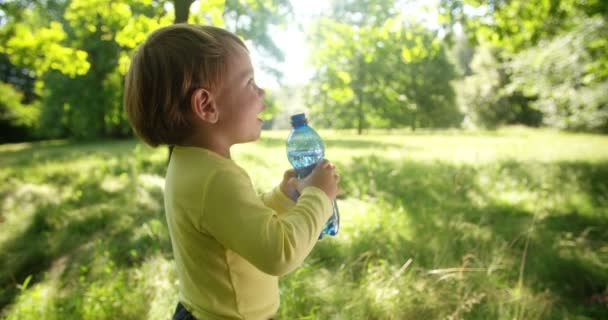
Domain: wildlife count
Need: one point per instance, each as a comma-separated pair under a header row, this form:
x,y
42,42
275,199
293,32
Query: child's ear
x,y
203,105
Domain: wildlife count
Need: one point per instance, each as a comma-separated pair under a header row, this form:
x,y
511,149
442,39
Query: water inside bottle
x,y
304,161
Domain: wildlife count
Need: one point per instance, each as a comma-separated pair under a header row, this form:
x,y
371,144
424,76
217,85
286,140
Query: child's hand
x,y
324,177
289,185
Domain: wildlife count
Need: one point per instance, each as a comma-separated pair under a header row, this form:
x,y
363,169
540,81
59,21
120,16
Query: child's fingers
x,y
326,164
289,174
323,164
292,182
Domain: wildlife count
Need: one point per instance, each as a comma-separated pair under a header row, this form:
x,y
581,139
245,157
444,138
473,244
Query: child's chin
x,y
254,137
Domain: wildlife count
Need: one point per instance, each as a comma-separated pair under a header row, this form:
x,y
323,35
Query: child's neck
x,y
208,142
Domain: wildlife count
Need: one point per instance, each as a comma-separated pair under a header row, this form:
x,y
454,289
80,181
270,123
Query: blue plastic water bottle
x,y
304,150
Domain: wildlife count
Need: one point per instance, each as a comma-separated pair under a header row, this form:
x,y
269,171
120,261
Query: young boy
x,y
192,87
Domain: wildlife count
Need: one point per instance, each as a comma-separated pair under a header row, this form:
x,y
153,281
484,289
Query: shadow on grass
x,y
85,227
440,214
29,154
462,216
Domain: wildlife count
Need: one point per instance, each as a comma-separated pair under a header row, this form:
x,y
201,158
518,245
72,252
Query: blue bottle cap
x,y
298,119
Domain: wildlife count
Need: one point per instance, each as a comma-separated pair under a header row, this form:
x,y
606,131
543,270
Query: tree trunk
x,y
359,94
182,10
360,114
414,119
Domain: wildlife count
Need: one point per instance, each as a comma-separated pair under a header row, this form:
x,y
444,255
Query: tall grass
x,y
509,224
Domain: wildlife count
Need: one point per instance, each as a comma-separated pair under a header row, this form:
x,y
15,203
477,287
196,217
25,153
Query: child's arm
x,y
276,200
239,220
282,197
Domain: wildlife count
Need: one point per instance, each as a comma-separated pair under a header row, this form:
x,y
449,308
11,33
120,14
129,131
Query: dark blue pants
x,y
182,314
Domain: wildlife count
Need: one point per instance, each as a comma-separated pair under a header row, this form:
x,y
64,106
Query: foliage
x,y
518,24
461,54
11,108
508,224
375,68
17,120
87,46
270,101
483,96
569,76
555,52
30,34
271,109
251,20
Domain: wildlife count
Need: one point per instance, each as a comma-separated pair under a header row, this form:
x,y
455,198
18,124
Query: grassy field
x,y
511,224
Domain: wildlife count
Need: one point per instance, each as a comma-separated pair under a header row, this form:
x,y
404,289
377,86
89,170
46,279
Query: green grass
x,y
511,224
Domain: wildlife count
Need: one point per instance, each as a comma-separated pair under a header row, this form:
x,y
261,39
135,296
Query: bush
x,y
17,120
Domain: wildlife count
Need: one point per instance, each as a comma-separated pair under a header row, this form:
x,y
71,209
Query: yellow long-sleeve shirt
x,y
229,244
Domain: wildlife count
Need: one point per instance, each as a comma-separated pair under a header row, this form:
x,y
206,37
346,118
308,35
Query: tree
x,y
17,119
555,55
517,24
484,96
182,10
87,44
18,112
569,76
375,68
461,54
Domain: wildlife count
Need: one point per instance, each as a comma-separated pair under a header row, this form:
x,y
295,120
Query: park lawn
x,y
507,224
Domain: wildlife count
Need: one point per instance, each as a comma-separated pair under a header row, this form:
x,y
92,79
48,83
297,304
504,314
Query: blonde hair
x,y
166,69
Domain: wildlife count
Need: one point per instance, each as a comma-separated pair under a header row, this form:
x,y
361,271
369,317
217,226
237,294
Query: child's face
x,y
240,100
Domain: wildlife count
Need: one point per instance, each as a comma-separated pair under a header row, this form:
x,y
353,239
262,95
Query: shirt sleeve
x,y
277,200
238,219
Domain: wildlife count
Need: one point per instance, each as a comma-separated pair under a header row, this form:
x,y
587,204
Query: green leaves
x,y
378,71
211,12
41,50
97,16
12,110
554,56
79,51
252,20
566,75
138,27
